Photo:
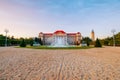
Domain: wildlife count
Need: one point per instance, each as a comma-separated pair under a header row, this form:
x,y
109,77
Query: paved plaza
x,y
78,64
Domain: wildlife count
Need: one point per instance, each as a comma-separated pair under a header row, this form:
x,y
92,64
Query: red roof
x,y
48,33
71,33
59,31
78,32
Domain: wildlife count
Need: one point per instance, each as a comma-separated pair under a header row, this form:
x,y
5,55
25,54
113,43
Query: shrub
x,y
97,43
23,44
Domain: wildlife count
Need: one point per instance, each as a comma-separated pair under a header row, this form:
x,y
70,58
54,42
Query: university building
x,y
60,37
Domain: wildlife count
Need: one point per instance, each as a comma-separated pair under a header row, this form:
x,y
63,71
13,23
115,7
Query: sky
x,y
26,18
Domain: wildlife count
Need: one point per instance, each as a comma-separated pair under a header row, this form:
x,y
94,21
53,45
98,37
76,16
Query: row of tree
x,y
89,42
11,41
109,40
106,41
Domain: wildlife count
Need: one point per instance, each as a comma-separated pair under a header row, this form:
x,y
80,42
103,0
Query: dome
x,y
59,31
78,32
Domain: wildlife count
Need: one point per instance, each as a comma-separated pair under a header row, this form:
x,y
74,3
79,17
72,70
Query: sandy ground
x,y
83,64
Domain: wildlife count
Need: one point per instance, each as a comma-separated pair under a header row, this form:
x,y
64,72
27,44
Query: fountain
x,y
59,41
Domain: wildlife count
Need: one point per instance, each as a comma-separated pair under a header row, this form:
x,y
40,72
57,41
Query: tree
x,y
87,40
109,40
40,41
106,42
97,43
31,42
23,44
2,40
36,40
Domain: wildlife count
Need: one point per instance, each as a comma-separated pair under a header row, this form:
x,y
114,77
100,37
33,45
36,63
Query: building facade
x,y
60,37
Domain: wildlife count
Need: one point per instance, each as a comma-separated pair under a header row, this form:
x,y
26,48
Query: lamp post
x,y
6,31
113,31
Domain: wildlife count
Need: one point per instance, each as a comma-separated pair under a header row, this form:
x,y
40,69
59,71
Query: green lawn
x,y
46,47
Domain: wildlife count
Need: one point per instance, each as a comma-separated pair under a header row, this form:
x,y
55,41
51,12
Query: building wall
x,y
71,39
47,39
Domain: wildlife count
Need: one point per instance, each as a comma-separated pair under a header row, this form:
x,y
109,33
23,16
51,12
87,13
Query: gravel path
x,y
34,64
